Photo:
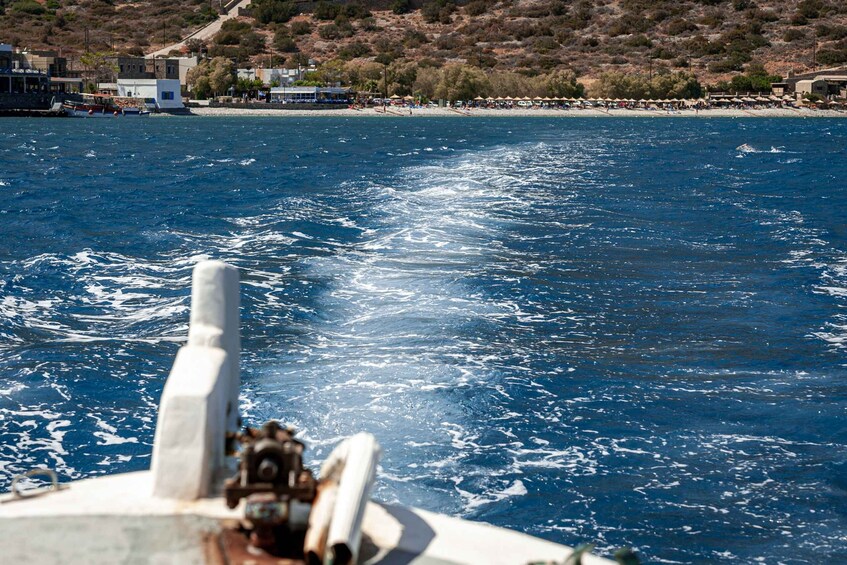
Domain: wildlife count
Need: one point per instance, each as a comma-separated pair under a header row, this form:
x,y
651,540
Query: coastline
x,y
394,113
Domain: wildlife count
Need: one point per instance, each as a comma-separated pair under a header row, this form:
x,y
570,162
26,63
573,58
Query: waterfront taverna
x,y
310,95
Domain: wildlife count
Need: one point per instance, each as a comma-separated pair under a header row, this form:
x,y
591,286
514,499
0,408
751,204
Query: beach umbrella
x,y
479,98
736,100
526,98
547,99
499,99
395,97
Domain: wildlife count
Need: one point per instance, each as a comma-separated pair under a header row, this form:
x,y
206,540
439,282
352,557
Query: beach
x,y
400,112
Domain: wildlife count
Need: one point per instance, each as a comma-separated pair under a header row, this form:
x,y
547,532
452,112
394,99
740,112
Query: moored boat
x,y
101,106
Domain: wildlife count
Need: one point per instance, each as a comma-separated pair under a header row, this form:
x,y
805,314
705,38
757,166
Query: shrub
x,y
834,32
368,24
401,6
544,44
447,42
354,50
301,27
811,9
355,11
414,39
326,11
30,7
832,56
284,43
793,35
639,40
436,11
273,11
680,26
329,31
476,8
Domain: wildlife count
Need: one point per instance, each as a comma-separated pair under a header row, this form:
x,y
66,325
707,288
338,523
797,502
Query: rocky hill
x,y
712,39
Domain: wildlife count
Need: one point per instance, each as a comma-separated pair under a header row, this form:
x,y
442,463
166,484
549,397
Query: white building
x,y
310,95
185,65
165,92
246,74
283,77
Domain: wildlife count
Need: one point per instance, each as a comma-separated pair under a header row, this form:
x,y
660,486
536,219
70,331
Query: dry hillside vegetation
x,y
712,39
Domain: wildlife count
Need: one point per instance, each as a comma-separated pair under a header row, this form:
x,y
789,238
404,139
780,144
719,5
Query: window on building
x,y
167,95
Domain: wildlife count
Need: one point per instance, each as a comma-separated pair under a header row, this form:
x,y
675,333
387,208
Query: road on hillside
x,y
203,33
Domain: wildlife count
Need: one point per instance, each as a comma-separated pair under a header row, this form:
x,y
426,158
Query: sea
x,y
623,332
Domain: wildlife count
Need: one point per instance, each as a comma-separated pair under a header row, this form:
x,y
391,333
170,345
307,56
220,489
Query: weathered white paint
x,y
190,433
215,302
200,399
157,89
360,456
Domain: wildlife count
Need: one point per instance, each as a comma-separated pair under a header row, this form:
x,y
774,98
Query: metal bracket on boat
x,y
271,462
272,479
32,493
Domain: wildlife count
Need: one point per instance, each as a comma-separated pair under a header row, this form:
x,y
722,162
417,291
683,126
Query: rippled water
x,y
627,332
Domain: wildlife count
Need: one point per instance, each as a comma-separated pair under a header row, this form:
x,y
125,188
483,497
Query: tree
x,y
426,82
507,83
461,82
329,73
615,84
221,76
363,75
99,63
211,77
402,77
563,84
675,85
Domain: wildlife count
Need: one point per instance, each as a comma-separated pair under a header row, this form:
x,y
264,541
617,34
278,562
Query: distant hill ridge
x,y
712,39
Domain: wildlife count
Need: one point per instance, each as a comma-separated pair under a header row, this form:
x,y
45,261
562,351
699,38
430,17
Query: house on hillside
x,y
828,83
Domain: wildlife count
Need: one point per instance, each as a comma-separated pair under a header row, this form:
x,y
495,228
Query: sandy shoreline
x,y
396,113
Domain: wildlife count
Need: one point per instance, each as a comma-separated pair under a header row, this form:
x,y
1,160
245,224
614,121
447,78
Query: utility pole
x,y
815,51
384,84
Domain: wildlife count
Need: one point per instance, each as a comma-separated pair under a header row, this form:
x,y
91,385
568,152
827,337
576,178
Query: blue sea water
x,y
624,332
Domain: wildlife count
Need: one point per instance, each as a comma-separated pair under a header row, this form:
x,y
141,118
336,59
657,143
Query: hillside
x,y
712,39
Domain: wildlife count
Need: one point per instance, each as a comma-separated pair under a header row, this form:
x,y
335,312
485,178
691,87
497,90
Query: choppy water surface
x,y
622,332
